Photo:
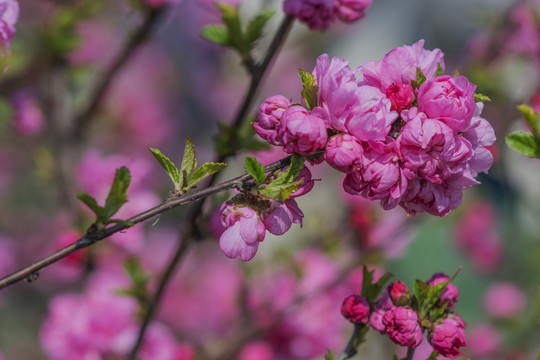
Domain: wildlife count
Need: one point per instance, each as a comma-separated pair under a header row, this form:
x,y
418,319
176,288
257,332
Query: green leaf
x,y
117,195
433,356
280,192
421,292
256,25
203,172
440,71
255,169
310,90
420,78
91,203
168,165
532,117
370,289
481,97
231,18
524,143
217,34
329,355
456,73
292,172
189,163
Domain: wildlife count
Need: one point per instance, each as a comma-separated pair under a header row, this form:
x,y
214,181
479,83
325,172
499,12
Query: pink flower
x,y
352,10
504,300
9,14
279,217
448,99
399,293
343,152
402,326
316,14
28,117
307,183
399,66
303,131
258,350
244,231
484,340
383,304
355,308
435,199
270,114
401,96
447,337
450,294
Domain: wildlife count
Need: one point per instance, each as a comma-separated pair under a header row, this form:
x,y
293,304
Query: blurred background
x,y
284,304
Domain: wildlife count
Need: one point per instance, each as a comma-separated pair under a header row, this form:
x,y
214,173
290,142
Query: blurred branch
x,y
84,116
92,236
257,74
350,349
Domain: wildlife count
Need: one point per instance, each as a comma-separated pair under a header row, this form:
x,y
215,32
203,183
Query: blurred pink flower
x,y
7,256
98,43
483,340
28,118
316,14
258,350
504,300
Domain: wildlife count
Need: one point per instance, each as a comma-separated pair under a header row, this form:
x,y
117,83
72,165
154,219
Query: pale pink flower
x,y
352,10
504,300
244,231
9,14
402,326
316,14
447,337
343,152
269,117
303,131
382,305
279,217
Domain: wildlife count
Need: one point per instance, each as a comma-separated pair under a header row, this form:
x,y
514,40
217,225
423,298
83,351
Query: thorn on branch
x,y
32,277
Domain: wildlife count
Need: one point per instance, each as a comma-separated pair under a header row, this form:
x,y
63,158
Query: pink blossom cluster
x,y
395,315
9,14
320,14
402,134
246,218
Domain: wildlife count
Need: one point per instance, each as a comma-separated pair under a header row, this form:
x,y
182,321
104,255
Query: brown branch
x,y
83,118
92,236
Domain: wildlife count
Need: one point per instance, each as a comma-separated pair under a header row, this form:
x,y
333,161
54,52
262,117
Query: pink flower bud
x,y
244,230
270,114
355,308
316,14
448,99
352,10
401,95
343,152
401,324
303,131
447,337
400,294
450,294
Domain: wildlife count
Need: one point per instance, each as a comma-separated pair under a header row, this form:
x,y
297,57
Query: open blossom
x,y
447,337
244,231
280,216
402,326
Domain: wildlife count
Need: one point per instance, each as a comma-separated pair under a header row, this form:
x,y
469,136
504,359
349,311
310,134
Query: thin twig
x,y
257,74
350,349
92,236
83,118
410,353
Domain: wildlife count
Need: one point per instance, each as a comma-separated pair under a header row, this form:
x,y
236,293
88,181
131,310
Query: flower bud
x,y
401,324
401,96
343,152
400,294
303,131
447,337
270,114
355,308
351,10
450,294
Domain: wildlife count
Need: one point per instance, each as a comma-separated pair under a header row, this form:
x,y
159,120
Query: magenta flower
x,y
402,326
343,152
448,99
352,10
303,131
383,304
355,308
401,96
316,14
270,114
484,340
447,337
435,199
450,294
28,117
399,293
244,231
281,216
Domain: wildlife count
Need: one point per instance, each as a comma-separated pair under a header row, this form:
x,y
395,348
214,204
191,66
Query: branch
x,y
82,119
31,272
350,350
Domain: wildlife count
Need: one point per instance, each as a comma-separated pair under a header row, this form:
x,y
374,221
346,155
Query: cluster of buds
x,y
404,317
247,216
320,14
404,133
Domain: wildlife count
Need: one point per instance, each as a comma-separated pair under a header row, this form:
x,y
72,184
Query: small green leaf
x,y
255,169
203,172
329,355
292,172
481,97
433,356
421,292
217,34
231,18
456,73
440,71
256,25
121,222
370,289
168,165
310,90
117,195
420,78
280,192
91,203
524,143
189,163
532,117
